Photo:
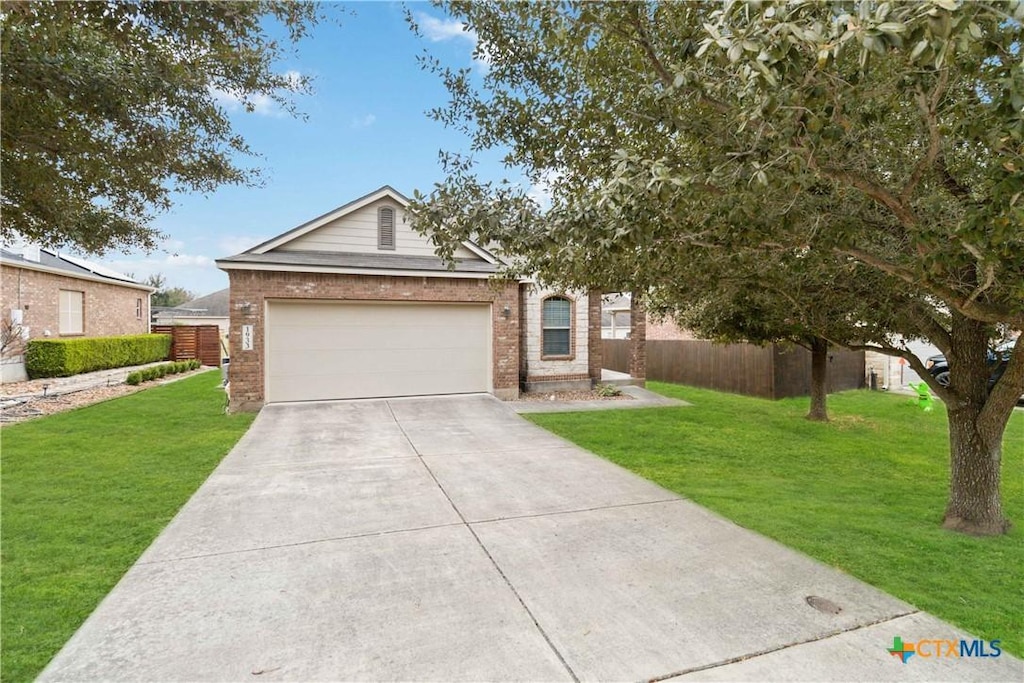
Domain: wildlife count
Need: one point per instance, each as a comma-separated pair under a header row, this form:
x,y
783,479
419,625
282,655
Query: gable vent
x,y
385,228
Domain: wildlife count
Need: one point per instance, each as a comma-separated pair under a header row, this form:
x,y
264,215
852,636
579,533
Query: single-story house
x,y
212,309
50,294
356,304
615,316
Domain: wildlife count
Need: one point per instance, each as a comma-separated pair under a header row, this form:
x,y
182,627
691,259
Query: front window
x,y
556,327
70,311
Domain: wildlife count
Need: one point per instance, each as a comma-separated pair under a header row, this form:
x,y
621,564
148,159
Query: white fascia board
x,y
352,271
305,228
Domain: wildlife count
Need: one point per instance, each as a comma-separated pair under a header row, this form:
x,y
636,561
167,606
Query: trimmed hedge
x,y
158,371
66,357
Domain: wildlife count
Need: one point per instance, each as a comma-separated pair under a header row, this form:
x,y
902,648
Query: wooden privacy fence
x,y
193,341
774,371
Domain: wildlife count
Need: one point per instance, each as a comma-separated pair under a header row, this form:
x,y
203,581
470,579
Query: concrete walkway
x,y
448,539
641,398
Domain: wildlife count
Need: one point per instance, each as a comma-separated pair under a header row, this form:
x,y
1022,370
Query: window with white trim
x,y
556,327
386,227
138,309
70,311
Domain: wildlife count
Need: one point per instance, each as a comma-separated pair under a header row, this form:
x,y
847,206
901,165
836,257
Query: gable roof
x,y
385,192
71,266
215,305
268,256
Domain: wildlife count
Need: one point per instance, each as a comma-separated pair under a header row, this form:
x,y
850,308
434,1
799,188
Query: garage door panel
x,y
346,338
326,350
372,361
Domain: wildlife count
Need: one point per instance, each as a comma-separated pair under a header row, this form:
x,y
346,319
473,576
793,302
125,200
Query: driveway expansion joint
x,y
779,648
487,553
553,513
313,541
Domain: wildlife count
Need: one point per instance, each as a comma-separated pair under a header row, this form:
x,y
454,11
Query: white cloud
x,y
540,191
363,121
236,244
442,30
294,78
439,30
262,104
195,272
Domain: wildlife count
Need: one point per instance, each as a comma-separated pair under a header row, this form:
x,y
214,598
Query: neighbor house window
x,y
70,311
556,327
385,228
138,309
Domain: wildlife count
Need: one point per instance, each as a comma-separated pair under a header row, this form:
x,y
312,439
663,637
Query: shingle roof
x,y
363,261
215,305
71,265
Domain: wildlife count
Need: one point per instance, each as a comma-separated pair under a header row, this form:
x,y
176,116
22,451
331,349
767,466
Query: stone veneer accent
x,y
251,289
584,364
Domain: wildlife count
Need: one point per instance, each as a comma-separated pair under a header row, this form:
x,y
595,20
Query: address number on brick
x,y
247,337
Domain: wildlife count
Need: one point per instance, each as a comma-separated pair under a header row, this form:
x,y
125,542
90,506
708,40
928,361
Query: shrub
x,y
134,378
607,390
66,357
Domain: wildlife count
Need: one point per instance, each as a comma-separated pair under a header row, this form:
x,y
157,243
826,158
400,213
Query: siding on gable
x,y
357,233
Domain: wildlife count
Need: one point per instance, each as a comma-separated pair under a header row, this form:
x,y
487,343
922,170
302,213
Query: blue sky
x,y
367,126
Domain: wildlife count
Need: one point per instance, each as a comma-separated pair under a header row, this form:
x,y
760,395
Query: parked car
x,y
997,358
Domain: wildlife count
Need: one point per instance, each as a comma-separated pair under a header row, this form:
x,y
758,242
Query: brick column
x,y
595,347
637,340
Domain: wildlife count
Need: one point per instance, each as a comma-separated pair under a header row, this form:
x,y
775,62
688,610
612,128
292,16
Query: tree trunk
x,y
819,380
975,458
975,434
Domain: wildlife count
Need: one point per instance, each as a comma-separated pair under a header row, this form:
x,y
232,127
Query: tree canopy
x,y
110,106
884,139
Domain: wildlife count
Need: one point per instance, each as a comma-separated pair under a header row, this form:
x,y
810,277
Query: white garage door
x,y
328,350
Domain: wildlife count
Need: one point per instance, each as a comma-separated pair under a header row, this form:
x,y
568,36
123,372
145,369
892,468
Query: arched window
x,y
385,227
556,327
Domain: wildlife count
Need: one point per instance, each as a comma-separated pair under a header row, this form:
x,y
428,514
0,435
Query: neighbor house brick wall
x,y
107,309
250,291
662,329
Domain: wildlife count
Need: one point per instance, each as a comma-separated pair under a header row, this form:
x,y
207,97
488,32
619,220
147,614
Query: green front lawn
x,y
864,493
85,492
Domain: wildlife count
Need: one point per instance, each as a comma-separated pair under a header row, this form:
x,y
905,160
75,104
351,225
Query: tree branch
x,y
869,187
927,106
970,308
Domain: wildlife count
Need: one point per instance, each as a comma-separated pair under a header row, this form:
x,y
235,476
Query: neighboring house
x,y
616,321
355,304
49,294
212,309
615,316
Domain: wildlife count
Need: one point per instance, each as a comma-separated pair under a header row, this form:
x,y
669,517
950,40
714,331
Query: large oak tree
x,y
886,135
109,106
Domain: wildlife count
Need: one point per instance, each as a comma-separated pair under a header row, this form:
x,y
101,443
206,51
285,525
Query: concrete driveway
x,y
449,539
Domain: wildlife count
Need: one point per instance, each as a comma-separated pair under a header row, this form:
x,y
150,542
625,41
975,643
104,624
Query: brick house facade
x,y
317,314
33,284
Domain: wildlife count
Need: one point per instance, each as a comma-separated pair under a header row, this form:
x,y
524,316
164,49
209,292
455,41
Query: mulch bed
x,y
572,396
